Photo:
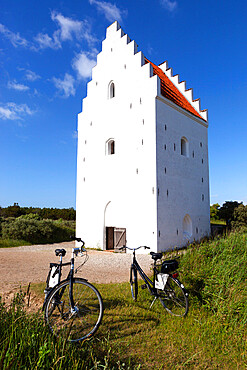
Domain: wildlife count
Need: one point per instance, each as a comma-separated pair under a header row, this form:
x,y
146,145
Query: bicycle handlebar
x,y
81,248
134,249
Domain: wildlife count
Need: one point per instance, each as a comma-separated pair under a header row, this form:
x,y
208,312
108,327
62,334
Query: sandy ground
x,y
30,264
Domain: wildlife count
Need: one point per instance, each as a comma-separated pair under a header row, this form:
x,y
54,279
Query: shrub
x,y
34,230
240,217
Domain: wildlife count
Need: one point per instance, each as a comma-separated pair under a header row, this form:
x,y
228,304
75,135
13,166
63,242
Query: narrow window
x,y
110,147
111,90
184,147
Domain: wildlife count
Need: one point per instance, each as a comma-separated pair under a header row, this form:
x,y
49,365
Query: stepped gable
x,y
171,92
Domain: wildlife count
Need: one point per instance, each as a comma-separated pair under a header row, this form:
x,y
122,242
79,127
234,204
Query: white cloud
x,y
83,64
169,5
32,76
68,29
66,86
45,41
67,26
15,39
15,86
110,11
12,111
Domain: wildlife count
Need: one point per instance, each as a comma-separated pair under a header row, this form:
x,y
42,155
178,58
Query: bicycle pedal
x,y
143,286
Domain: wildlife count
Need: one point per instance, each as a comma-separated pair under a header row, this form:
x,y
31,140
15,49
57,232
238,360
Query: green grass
x,y
218,222
132,336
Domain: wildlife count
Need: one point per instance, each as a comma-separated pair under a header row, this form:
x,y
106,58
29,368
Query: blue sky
x,y
47,50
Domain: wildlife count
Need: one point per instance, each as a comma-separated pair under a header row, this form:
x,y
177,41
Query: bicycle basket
x,y
169,266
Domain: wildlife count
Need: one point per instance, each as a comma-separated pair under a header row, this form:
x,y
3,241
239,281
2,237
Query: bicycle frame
x,y
70,276
149,283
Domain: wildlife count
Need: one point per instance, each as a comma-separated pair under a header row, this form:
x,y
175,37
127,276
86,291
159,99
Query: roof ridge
x,y
176,91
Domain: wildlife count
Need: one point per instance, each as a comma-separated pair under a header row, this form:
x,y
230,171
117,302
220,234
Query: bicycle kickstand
x,y
153,302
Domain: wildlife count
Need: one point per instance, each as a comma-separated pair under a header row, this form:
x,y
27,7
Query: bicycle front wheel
x,y
133,283
174,297
74,323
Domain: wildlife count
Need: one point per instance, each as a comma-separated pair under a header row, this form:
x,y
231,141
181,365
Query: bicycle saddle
x,y
156,256
60,252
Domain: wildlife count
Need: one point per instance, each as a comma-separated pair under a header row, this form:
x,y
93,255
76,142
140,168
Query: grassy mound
x,y
215,273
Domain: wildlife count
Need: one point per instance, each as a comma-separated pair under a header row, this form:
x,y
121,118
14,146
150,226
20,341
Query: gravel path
x,y
30,264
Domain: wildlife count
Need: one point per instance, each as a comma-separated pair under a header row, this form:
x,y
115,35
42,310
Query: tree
x,y
240,216
214,211
227,210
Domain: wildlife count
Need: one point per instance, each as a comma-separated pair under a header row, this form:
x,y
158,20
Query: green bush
x,y
33,230
240,217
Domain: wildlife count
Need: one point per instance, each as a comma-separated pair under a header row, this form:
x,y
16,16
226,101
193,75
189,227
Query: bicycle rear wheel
x,y
133,283
74,324
174,297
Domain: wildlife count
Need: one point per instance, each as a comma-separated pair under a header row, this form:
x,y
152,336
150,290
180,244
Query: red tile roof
x,y
171,92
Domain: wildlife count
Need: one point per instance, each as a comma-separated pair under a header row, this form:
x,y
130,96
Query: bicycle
x,y
165,286
73,308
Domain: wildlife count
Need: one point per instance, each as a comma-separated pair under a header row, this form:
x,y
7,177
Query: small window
x,y
184,147
111,92
110,147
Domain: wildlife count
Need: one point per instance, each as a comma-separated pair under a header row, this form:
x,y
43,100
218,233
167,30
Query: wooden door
x,y
109,238
119,237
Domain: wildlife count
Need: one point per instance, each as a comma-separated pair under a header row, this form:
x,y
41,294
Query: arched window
x,y
111,92
110,147
187,227
184,147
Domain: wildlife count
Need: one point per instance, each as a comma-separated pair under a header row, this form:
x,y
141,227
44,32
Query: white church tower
x,y
142,170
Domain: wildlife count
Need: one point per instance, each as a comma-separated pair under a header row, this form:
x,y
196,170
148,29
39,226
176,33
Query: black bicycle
x,y
73,308
165,285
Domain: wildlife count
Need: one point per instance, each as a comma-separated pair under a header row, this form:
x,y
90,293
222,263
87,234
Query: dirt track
x,y
30,264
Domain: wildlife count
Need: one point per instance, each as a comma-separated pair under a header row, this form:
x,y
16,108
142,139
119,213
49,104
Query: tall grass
x,y
133,336
26,343
215,273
